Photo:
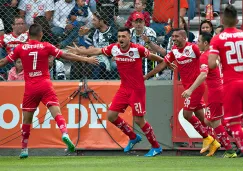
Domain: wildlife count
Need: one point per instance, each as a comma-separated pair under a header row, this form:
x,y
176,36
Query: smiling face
x,y
206,28
178,39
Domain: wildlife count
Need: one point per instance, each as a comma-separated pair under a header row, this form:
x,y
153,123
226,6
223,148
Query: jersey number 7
x,y
35,55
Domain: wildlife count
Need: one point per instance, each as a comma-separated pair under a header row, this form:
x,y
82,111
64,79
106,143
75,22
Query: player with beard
x,y
187,57
228,47
132,92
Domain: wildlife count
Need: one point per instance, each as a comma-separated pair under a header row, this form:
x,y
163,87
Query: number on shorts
x,y
138,107
35,55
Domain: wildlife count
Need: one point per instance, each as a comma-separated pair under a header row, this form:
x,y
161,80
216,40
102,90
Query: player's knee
x,y
139,120
187,114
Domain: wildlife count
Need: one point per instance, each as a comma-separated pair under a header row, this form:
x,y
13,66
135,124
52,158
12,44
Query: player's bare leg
x,y
197,124
56,114
27,120
148,131
114,118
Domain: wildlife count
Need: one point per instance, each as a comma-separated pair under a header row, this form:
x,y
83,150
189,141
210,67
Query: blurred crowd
x,y
94,23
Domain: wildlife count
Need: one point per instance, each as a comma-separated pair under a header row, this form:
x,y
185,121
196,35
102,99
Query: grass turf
x,y
120,163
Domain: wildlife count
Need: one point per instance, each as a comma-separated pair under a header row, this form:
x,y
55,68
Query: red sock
x,y
210,131
148,130
196,123
237,135
223,137
61,123
25,135
124,127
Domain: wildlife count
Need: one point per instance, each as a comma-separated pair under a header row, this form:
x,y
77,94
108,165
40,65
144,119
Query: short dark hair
x,y
230,16
206,37
35,30
123,29
221,27
100,17
181,30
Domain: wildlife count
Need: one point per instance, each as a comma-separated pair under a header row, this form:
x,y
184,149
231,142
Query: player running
x,y
128,57
38,86
228,46
214,110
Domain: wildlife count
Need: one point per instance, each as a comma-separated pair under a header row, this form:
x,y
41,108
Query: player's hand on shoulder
x,y
187,93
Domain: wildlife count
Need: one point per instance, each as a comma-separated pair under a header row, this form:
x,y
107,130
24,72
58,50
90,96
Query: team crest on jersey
x,y
109,35
131,53
187,52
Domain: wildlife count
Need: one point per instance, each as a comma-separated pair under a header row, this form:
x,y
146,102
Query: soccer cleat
x,y
153,152
68,142
213,148
24,153
230,154
131,143
206,143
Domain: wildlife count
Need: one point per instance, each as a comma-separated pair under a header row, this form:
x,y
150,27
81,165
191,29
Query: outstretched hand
x,y
74,49
93,60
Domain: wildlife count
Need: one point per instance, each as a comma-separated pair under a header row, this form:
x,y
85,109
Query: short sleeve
x,y
22,5
143,52
2,43
196,50
107,50
53,51
214,46
204,63
14,55
170,57
184,4
50,6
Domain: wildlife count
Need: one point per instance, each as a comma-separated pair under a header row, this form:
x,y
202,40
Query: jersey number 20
x,y
35,55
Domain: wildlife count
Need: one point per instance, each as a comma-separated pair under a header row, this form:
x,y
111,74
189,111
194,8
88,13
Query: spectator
x,y
219,29
103,35
16,73
92,5
206,26
79,17
109,10
62,10
136,37
29,9
56,69
13,39
47,34
139,7
8,10
164,12
1,27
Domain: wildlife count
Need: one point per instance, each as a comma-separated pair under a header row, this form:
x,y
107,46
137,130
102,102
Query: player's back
x,y
34,56
229,46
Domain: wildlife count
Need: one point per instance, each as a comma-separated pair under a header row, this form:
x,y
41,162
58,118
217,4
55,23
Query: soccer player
x,y
214,110
228,46
38,87
187,56
128,57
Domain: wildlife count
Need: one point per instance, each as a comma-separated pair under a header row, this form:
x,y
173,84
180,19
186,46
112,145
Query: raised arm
x,y
73,57
90,51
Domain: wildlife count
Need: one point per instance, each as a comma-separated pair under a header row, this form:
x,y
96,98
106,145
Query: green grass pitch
x,y
120,163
